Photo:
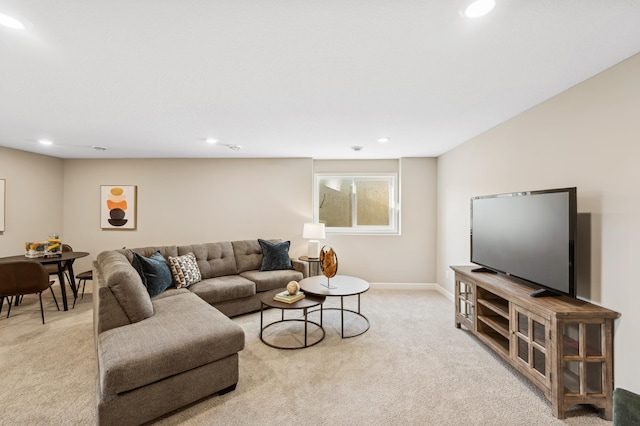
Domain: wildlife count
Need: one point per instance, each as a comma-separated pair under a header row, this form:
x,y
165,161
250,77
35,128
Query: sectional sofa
x,y
158,353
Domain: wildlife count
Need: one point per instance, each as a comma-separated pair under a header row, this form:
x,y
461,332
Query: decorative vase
x,y
54,246
35,248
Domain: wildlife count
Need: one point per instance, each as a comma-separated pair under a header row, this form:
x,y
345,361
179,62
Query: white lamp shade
x,y
313,231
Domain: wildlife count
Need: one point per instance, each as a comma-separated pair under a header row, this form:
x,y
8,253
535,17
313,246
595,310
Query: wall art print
x,y
2,189
118,206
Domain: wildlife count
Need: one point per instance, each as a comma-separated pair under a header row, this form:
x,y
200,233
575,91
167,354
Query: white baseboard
x,y
445,293
413,286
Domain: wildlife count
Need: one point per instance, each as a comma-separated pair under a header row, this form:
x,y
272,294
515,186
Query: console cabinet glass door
x,y
465,303
583,364
530,343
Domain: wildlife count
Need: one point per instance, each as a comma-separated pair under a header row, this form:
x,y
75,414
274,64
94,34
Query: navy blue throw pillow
x,y
154,271
275,256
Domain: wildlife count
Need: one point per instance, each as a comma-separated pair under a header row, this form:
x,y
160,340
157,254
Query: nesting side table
x,y
310,301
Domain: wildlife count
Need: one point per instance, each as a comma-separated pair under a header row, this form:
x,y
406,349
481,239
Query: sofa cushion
x,y
269,280
170,292
185,333
248,255
221,289
126,285
165,251
275,256
185,270
154,272
214,259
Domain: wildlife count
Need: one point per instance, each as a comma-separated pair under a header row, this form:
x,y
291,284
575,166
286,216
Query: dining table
x,y
60,259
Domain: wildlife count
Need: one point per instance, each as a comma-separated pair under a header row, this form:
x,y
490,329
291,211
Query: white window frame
x,y
394,202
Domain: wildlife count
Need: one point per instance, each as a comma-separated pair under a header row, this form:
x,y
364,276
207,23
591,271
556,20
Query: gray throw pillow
x,y
154,272
275,256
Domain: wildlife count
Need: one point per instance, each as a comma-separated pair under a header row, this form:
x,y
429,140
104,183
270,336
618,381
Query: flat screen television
x,y
528,235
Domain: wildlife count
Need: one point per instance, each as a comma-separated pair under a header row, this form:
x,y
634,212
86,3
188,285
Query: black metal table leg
x,y
342,316
305,327
72,281
62,286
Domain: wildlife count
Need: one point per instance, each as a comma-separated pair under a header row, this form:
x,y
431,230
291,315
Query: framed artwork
x,y
2,198
118,205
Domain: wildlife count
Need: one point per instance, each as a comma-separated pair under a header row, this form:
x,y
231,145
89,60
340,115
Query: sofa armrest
x,y
301,266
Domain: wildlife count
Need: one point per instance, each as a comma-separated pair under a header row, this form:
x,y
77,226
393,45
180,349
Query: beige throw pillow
x,y
185,270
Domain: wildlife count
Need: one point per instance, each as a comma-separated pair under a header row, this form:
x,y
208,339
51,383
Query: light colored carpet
x,y
413,367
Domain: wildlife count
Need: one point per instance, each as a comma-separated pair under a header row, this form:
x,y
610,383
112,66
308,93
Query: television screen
x,y
528,235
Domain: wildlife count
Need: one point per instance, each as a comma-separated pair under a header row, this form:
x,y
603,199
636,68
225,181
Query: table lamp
x,y
313,232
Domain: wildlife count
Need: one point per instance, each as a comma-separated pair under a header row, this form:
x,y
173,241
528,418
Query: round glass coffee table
x,y
309,301
340,285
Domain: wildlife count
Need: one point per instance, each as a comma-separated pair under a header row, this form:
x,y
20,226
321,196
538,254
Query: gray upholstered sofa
x,y
159,354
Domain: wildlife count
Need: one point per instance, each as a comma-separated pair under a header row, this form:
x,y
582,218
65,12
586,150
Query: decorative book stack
x,y
285,297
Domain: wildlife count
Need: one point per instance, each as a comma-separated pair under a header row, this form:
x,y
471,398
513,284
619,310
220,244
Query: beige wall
x,y
589,137
406,258
34,192
182,201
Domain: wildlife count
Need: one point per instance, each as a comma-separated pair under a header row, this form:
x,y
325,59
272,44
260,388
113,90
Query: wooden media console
x,y
563,345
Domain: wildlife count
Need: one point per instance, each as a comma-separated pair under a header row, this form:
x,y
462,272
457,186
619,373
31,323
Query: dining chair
x,y
82,277
24,277
52,269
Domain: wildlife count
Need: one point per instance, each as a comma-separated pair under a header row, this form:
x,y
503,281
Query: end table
x,y
315,261
309,301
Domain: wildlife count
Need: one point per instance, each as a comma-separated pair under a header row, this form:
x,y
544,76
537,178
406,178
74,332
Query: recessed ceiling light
x,y
234,147
45,142
212,141
383,140
357,148
479,8
11,22
99,147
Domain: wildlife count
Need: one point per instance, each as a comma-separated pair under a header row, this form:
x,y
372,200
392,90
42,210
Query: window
x,y
357,203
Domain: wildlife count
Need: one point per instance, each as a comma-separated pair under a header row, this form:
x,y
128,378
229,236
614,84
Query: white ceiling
x,y
296,78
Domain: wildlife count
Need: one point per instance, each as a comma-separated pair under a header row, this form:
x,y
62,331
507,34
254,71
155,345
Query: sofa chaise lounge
x,y
158,354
